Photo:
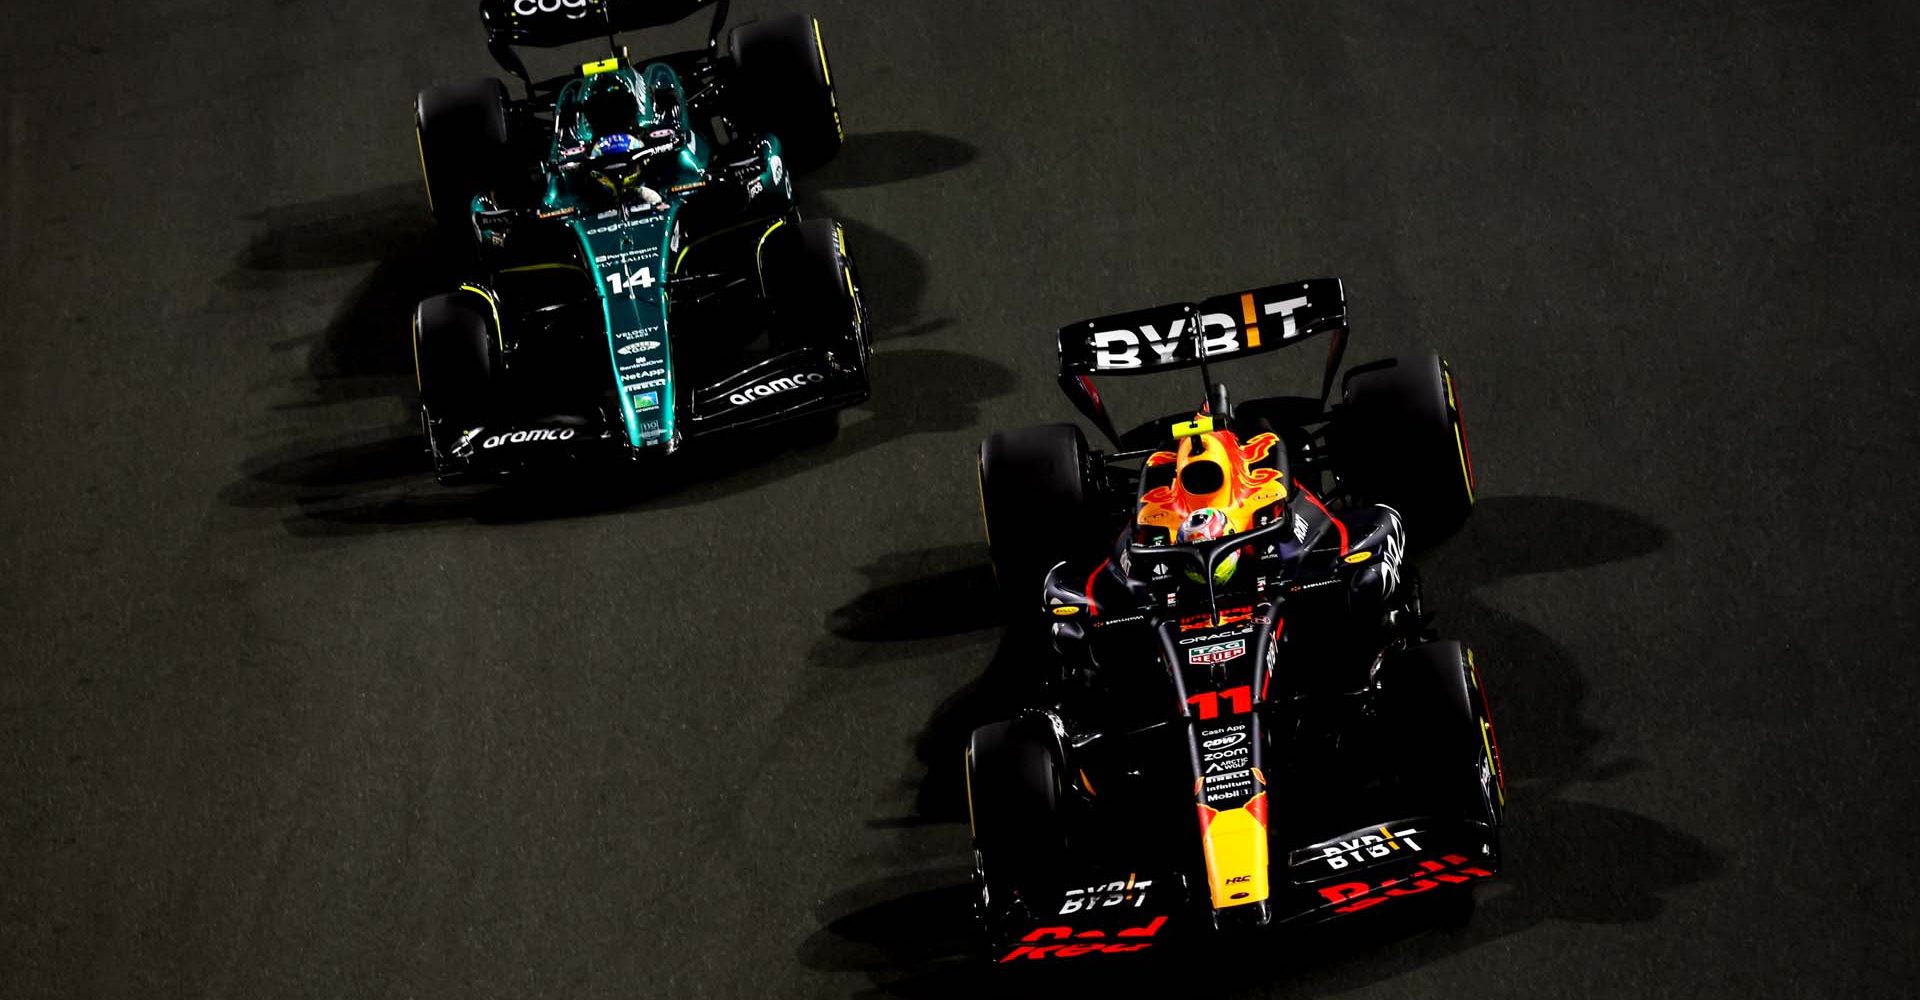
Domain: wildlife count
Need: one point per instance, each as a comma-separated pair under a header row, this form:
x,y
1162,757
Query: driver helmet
x,y
1206,525
610,108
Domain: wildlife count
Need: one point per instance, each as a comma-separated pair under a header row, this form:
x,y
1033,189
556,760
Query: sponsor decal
x,y
1065,611
575,9
1096,897
1360,848
652,383
1450,869
1148,344
1217,637
1090,942
636,347
1222,742
522,437
1219,652
1299,529
646,401
775,387
1228,616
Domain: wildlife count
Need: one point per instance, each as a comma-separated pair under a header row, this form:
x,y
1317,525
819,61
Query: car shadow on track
x,y
1567,859
343,475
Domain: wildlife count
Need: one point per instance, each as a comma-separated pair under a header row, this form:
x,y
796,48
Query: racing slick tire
x,y
788,89
1435,704
455,356
1013,809
1401,441
463,136
810,283
1036,503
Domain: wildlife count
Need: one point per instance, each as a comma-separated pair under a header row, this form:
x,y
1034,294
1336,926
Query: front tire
x,y
1436,707
1013,810
456,353
788,89
809,282
1402,442
1036,502
464,146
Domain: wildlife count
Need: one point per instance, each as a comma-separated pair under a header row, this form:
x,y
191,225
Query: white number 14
x,y
622,283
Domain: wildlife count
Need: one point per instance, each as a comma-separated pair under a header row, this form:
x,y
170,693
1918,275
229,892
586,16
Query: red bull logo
x,y
1068,944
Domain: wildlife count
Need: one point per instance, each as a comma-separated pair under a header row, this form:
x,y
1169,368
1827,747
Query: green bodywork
x,y
630,236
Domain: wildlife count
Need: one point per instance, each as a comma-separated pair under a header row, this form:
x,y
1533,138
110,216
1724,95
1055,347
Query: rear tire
x,y
1036,502
456,353
1013,807
464,146
1401,442
787,87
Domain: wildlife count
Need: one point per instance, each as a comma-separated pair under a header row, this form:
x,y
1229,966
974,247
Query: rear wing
x,y
1187,334
548,23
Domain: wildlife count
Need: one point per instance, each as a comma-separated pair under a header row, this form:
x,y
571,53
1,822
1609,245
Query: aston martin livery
x,y
633,271
1247,721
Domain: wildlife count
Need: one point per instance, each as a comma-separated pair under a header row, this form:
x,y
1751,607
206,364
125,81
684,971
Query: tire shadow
x,y
345,474
1567,860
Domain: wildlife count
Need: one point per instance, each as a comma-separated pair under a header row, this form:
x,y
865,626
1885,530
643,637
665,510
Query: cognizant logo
x,y
576,9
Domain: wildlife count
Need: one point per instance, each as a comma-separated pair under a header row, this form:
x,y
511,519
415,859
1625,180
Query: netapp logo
x,y
576,9
521,437
775,387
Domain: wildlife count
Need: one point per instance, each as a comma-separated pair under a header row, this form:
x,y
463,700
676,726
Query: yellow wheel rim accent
x,y
1459,443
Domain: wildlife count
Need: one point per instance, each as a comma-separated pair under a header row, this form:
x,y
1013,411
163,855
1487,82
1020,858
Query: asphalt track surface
x,y
281,718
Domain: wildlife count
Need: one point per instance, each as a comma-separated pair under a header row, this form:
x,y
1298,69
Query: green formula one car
x,y
634,272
